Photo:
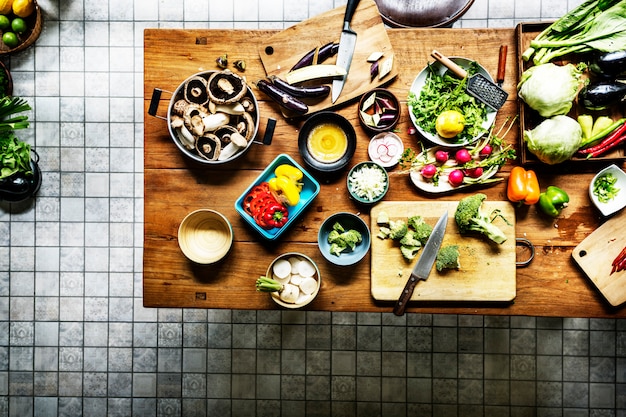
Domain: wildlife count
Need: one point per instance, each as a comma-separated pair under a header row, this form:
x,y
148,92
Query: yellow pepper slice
x,y
285,189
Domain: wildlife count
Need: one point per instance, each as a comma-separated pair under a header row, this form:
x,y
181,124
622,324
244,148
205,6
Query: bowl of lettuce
x,y
435,90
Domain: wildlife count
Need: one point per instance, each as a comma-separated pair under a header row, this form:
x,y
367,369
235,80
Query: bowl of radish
x,y
386,149
292,279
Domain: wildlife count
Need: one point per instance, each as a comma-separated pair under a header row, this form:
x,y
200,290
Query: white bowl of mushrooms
x,y
213,117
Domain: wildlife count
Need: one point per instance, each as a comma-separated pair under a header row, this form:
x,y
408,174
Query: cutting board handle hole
x,y
269,50
582,253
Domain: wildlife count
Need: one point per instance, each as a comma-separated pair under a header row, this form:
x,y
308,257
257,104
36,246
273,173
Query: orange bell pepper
x,y
523,186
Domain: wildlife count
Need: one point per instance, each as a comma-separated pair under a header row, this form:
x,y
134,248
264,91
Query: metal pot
x,y
208,105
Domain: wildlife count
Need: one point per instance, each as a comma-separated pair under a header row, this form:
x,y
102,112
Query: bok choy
x,y
593,25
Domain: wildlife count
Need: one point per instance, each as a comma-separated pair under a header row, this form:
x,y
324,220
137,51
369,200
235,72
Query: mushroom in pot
x,y
195,91
209,146
226,87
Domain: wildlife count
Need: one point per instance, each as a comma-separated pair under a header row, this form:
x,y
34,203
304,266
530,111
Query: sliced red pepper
x,y
275,215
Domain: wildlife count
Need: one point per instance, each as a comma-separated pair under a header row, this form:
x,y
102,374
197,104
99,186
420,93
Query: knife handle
x,y
501,64
405,297
460,72
350,9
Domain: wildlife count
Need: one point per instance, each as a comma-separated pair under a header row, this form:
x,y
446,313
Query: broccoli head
x,y
341,239
470,217
409,252
410,239
421,228
397,229
448,258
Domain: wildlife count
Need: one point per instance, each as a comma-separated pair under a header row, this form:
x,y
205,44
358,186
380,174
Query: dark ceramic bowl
x,y
17,188
343,154
379,110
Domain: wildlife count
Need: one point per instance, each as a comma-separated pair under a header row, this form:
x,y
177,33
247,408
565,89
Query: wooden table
x,y
551,286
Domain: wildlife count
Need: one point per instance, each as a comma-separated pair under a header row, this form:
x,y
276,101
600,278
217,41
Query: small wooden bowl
x,y
205,236
35,24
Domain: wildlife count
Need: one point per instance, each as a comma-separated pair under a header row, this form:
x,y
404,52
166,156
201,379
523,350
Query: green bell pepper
x,y
553,201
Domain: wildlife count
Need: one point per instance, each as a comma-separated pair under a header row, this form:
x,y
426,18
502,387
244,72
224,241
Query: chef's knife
x,y
422,268
347,43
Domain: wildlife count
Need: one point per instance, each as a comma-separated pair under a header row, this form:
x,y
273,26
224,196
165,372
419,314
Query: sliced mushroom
x,y
247,104
185,137
209,147
245,126
214,121
226,87
195,90
180,106
197,125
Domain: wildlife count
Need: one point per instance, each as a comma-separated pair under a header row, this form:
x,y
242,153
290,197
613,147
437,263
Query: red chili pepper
x,y
275,215
614,139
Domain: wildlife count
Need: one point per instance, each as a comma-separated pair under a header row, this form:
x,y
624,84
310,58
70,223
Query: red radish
x,y
455,178
463,156
475,172
411,130
441,156
486,150
429,171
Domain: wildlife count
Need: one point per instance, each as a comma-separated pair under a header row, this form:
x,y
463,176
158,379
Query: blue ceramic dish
x,y
348,221
310,189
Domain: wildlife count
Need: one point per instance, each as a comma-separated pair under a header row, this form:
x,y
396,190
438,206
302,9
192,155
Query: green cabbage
x,y
554,140
550,89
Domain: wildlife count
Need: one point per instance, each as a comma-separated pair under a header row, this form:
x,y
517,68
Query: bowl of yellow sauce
x,y
327,142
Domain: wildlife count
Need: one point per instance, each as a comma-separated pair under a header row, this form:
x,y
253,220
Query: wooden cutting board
x,y
280,52
595,254
487,270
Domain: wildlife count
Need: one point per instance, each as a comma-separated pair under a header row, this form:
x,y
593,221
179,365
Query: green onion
x,y
604,188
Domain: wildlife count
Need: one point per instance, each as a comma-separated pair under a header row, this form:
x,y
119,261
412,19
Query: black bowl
x,y
316,120
18,188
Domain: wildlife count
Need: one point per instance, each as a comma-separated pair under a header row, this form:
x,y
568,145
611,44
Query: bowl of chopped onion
x,y
292,279
368,182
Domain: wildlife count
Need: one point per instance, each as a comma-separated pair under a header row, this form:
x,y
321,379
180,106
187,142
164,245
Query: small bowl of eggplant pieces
x,y
379,110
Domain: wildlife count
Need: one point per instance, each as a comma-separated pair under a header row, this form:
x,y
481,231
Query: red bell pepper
x,y
275,215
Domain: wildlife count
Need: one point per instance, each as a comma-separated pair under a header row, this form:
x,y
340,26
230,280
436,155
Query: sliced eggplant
x,y
602,94
609,64
316,91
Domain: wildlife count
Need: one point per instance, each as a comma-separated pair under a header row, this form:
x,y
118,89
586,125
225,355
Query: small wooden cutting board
x,y
595,254
487,269
280,52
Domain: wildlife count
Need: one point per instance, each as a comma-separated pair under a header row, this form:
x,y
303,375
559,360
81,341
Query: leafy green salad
x,y
443,92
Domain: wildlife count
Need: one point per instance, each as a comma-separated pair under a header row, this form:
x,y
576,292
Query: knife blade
x,y
347,44
422,268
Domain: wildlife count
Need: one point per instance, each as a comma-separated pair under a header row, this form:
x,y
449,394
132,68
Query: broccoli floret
x,y
409,239
341,239
421,228
470,217
398,229
409,252
448,258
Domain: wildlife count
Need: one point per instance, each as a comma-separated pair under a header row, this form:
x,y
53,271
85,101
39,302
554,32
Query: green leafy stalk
x,y
266,284
10,106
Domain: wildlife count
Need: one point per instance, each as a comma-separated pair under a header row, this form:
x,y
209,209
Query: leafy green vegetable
x,y
593,25
10,106
14,155
550,89
554,140
447,92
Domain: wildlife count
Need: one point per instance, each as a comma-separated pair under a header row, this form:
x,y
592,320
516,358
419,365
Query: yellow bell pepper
x,y
285,189
289,171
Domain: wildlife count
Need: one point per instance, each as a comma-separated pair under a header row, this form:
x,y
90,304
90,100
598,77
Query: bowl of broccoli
x,y
344,239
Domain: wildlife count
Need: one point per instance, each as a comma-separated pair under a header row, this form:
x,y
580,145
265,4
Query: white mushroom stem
x,y
185,137
214,121
235,109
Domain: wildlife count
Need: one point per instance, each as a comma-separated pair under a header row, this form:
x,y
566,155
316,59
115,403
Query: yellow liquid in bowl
x,y
327,143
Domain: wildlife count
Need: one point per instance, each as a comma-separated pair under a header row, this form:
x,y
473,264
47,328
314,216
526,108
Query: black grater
x,y
478,85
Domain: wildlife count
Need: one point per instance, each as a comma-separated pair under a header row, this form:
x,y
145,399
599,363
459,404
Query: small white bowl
x,y
619,201
386,149
205,236
294,258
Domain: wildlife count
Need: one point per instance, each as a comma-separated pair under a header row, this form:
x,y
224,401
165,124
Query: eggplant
x,y
316,91
284,99
609,64
323,53
602,94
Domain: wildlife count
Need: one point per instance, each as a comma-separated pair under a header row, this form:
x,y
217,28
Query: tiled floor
x,y
75,339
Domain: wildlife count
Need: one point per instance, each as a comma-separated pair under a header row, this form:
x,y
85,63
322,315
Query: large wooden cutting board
x,y
280,52
595,255
487,270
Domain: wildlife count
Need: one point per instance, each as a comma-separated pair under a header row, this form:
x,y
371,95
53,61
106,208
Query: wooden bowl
x,y
295,278
35,24
205,236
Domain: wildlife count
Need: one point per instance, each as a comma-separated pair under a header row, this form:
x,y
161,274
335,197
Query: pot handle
x,y
154,102
269,133
520,241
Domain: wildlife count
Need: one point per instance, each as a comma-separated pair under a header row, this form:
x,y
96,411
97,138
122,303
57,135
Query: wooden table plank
x,y
551,286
